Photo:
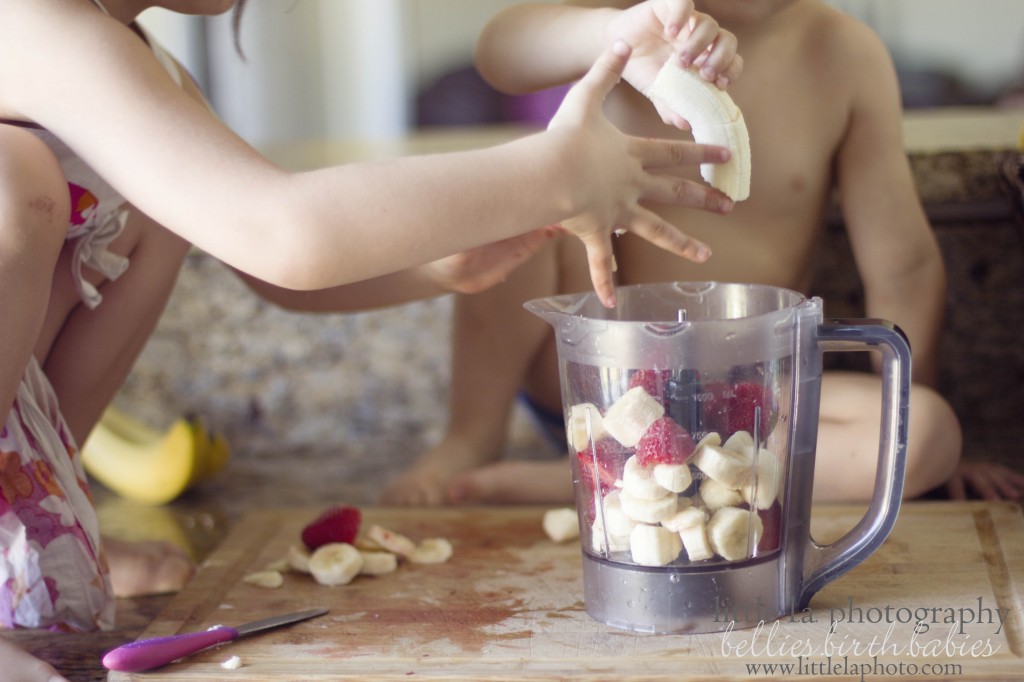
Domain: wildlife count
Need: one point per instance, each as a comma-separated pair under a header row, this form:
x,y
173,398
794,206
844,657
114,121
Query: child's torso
x,y
796,111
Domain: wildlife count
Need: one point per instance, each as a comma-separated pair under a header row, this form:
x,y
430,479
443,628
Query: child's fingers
x,y
673,15
731,73
722,60
664,235
595,85
704,31
656,153
607,70
666,189
600,259
670,117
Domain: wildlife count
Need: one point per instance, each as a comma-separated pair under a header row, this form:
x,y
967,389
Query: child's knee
x,y
35,205
934,444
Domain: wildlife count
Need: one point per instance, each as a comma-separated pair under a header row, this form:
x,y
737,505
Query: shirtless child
x,y
822,104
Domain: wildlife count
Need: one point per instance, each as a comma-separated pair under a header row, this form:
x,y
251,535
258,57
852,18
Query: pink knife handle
x,y
153,653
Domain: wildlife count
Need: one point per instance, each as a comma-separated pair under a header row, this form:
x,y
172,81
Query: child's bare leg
x,y
20,666
87,354
34,211
531,481
149,567
33,225
515,482
848,439
493,342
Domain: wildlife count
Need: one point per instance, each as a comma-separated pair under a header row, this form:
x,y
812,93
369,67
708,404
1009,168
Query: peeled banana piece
x,y
734,532
150,466
335,563
714,119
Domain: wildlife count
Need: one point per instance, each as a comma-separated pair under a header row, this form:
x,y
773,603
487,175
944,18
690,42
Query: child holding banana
x,y
822,105
109,155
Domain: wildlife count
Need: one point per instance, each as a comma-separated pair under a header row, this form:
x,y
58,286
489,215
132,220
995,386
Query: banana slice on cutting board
x,y
335,563
715,119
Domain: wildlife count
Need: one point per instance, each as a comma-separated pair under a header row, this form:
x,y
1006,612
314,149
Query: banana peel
x,y
151,466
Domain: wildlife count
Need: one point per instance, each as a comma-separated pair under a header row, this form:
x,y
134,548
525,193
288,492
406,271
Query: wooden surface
x,y
509,606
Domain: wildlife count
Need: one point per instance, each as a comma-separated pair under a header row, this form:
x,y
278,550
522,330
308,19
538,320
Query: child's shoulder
x,y
841,38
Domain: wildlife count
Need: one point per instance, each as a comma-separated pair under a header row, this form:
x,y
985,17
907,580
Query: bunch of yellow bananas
x,y
144,464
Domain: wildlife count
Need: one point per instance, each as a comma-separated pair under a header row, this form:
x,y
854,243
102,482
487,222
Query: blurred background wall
x,y
354,68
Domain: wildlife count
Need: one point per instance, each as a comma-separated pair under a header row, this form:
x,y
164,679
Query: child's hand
x,y
659,29
617,172
472,271
986,481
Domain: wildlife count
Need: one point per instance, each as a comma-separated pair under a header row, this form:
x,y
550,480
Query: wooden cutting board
x,y
509,606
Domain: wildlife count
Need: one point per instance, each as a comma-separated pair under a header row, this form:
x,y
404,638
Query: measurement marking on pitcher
x,y
752,541
599,502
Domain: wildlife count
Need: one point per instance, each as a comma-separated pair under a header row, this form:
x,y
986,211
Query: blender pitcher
x,y
691,415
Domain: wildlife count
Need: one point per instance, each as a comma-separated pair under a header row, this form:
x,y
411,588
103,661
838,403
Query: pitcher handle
x,y
824,563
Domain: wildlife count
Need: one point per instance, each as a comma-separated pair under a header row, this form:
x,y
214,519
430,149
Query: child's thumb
x,y
607,70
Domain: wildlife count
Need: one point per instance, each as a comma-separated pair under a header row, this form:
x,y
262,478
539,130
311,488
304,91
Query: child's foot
x,y
425,482
143,568
514,482
21,666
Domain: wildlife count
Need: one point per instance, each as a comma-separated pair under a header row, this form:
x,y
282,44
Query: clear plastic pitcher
x,y
691,414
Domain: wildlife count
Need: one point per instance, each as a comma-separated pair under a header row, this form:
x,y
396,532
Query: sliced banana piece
x,y
391,541
631,415
710,438
335,563
378,563
728,467
696,543
714,495
639,481
615,519
673,477
298,558
654,545
732,531
643,510
584,424
561,525
715,119
766,487
268,579
432,551
739,441
602,539
691,524
687,517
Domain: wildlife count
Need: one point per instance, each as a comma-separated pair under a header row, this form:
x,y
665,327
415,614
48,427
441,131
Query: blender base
x,y
683,599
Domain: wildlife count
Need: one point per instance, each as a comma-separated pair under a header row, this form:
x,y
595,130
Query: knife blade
x,y
147,654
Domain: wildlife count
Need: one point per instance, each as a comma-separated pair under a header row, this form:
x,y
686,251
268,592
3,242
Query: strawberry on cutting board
x,y
337,524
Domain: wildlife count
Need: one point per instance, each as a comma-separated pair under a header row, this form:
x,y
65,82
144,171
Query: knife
x,y
147,654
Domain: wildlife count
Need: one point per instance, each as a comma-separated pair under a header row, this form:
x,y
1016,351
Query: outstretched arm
x,y
531,46
173,160
469,272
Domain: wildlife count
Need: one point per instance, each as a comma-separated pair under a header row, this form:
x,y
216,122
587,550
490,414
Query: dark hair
x,y
236,25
